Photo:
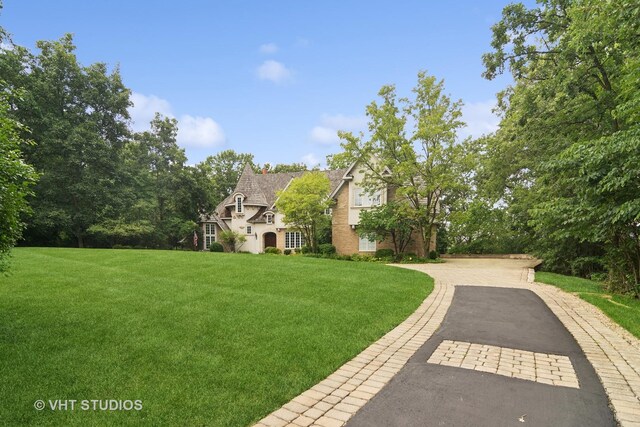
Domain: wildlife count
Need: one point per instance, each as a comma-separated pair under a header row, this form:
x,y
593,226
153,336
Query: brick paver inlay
x,y
544,368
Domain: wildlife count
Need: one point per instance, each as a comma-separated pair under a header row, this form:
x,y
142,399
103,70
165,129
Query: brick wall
x,y
343,237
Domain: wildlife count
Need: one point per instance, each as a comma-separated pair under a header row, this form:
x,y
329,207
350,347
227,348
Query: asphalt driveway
x,y
427,394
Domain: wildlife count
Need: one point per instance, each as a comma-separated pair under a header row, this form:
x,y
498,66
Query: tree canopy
x,y
412,149
303,203
77,116
565,158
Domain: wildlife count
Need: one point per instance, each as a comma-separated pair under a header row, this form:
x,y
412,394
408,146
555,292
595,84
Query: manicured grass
x,y
199,338
624,310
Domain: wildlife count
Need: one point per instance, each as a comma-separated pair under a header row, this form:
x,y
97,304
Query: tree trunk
x,y
80,238
426,239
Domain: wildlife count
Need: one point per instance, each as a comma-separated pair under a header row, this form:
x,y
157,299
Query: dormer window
x,y
269,218
239,207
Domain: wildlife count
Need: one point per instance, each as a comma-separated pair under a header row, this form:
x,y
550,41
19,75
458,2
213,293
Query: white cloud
x,y
268,48
311,160
479,118
199,132
324,135
6,46
144,109
326,132
274,71
196,132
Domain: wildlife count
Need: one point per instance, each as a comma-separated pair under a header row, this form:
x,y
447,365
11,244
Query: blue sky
x,y
273,78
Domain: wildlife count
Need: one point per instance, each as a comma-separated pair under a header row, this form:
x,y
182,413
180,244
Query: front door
x,y
270,240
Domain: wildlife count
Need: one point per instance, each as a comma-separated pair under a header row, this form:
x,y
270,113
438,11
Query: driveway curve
x,y
487,347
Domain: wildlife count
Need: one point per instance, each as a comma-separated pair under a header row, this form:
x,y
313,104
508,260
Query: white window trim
x,y
239,204
293,240
269,218
249,229
209,234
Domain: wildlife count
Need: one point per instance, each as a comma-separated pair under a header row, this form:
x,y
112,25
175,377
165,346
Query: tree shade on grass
x,y
622,309
201,338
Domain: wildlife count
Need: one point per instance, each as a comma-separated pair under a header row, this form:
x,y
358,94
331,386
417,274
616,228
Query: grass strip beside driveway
x,y
622,309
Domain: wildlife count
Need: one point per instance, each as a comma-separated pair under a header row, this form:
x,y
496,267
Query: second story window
x,y
269,218
363,199
239,207
249,229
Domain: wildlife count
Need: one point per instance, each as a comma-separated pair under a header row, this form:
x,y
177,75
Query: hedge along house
x,y
251,210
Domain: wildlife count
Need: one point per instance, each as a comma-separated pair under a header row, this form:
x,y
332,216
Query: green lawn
x,y
199,338
624,310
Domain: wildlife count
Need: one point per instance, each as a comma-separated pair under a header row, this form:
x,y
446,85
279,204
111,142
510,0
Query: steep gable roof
x,y
261,189
348,176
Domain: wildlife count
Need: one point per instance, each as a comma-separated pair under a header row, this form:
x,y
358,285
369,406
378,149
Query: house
x,y
251,210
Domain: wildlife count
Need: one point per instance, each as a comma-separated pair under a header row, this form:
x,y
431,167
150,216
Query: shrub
x,y
216,247
305,249
433,255
232,239
384,253
344,257
273,251
362,258
326,249
287,251
409,256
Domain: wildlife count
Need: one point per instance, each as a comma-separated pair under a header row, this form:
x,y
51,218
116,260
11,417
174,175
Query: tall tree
x,y
164,184
574,106
412,149
77,116
303,204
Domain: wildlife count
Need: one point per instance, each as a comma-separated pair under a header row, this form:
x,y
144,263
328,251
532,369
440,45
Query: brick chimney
x,y
264,171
